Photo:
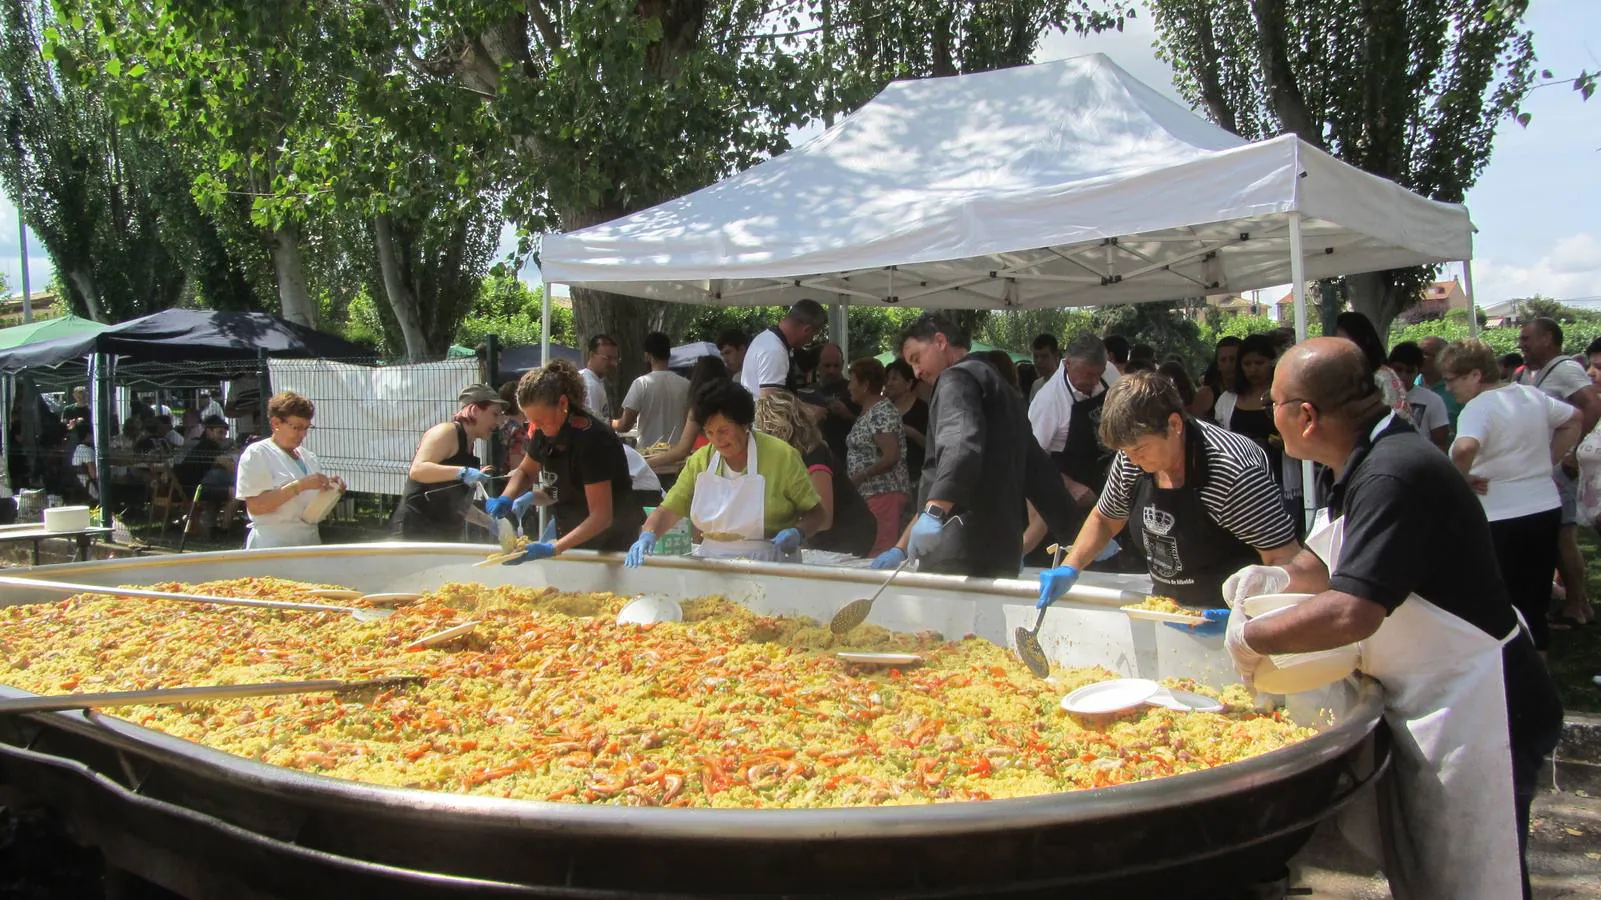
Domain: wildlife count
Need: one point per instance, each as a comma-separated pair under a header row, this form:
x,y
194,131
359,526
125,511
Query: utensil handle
x,y
162,696
1040,619
874,598
70,587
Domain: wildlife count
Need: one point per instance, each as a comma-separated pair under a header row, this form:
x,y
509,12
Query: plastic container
x,y
1293,673
676,542
66,518
321,505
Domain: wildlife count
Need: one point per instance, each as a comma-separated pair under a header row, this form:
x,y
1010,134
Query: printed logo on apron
x,y
547,484
1161,548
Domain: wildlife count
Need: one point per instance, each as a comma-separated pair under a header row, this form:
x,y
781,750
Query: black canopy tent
x,y
163,349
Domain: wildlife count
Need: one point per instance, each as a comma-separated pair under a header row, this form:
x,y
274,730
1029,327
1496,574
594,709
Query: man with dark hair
x,y
732,344
1403,561
658,399
1117,351
766,367
1563,378
830,398
1429,414
1047,356
982,464
599,366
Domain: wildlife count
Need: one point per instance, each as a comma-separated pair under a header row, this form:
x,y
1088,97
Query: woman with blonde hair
x,y
577,463
278,478
1508,439
848,525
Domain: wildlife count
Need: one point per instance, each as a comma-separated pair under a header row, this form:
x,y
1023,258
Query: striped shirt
x,y
1237,489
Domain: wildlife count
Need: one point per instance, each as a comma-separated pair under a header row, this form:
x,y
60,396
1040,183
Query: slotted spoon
x,y
359,614
856,612
161,696
1028,640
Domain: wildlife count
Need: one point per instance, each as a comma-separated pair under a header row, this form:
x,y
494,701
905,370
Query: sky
x,y
1536,204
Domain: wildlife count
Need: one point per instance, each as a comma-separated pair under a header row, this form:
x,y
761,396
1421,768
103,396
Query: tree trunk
x,y
1283,93
402,300
1377,296
294,300
83,280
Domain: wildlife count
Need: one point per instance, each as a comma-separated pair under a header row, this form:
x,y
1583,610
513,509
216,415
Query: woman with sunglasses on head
x,y
576,462
278,478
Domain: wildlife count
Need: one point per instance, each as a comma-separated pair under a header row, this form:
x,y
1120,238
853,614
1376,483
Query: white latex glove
x,y
1254,581
1246,661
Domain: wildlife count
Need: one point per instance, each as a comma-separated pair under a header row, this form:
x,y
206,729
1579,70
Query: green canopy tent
x,y
889,356
48,330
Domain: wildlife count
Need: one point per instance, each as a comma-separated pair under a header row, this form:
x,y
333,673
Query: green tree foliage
x,y
1158,324
510,310
109,206
1411,90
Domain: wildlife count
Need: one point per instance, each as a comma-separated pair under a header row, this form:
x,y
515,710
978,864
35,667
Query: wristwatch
x,y
937,513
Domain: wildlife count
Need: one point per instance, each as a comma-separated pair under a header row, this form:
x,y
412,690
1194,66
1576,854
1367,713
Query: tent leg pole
x,y
1473,303
839,326
1298,290
8,389
100,423
544,360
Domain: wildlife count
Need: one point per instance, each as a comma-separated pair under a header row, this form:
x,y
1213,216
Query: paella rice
x,y
550,699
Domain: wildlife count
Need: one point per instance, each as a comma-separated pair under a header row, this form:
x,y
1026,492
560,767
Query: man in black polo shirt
x,y
1407,568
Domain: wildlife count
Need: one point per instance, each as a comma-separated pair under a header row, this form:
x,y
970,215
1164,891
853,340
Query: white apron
x,y
732,504
1446,814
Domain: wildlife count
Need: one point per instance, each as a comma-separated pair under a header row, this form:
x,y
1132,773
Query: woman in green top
x,y
747,493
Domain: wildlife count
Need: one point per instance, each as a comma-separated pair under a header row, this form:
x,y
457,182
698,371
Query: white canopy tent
x,y
1068,183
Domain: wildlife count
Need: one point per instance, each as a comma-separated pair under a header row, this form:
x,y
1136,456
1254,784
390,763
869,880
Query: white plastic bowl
x,y
1293,673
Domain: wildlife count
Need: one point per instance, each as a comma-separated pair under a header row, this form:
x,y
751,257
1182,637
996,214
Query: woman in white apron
x,y
746,493
1406,571
278,478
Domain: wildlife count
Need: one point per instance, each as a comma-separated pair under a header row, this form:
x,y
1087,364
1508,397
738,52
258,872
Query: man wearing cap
x,y
439,487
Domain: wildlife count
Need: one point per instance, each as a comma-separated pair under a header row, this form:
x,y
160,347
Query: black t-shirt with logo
x,y
583,456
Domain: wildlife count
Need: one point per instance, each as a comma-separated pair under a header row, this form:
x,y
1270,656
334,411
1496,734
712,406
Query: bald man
x,y
1407,568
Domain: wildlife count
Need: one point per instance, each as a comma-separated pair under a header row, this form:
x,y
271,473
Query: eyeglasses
x,y
1273,405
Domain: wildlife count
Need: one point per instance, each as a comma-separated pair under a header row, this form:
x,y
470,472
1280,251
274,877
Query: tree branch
x,y
541,19
1284,95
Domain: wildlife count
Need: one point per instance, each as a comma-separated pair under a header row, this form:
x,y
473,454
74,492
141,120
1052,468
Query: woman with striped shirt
x,y
1199,502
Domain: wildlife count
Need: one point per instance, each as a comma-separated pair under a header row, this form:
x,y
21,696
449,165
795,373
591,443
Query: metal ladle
x,y
1028,640
160,696
856,612
359,614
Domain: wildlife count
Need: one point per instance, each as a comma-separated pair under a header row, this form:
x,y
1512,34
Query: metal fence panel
x,y
369,419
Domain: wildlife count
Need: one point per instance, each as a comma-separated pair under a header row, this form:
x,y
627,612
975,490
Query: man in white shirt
x,y
1546,368
1429,413
1066,415
602,362
1047,357
1117,353
657,400
208,406
767,359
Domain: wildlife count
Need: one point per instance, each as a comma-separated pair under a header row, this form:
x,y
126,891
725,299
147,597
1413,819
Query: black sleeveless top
x,y
437,512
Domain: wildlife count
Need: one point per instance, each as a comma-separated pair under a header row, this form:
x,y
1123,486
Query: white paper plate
x,y
1184,701
650,610
1110,696
335,594
321,505
879,659
1294,673
1135,612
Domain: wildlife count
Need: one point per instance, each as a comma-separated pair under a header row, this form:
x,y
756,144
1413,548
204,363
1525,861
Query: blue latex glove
x,y
498,507
788,540
549,534
645,546
534,553
519,507
1054,583
927,534
889,559
1216,622
470,475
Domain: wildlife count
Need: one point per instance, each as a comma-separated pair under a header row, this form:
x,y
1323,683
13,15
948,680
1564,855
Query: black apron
x,y
437,512
1188,554
1084,458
